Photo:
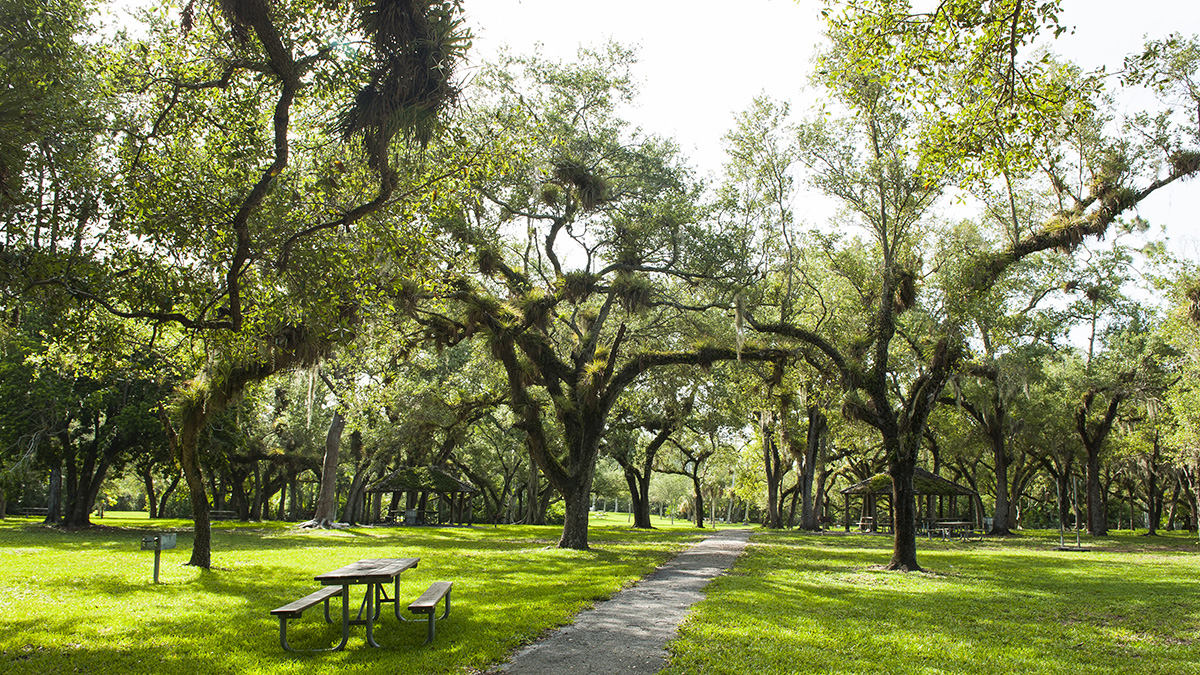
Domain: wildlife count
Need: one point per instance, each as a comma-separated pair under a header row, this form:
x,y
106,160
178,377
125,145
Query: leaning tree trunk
x,y
639,491
187,442
353,510
699,497
87,480
326,512
1154,496
639,482
166,494
151,500
1097,518
1093,436
773,466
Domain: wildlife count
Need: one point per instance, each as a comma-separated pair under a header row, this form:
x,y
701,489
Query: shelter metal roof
x,y
924,482
420,478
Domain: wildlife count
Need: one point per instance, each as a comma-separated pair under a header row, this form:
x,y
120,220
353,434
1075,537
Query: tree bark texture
x,y
813,455
904,510
326,512
1093,436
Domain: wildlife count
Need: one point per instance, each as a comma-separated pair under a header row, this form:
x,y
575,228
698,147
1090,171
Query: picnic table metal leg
x,y
396,598
283,634
283,622
345,618
372,590
432,624
381,599
447,612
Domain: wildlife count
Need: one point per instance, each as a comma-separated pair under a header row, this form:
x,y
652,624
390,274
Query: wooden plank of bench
x,y
427,604
429,599
293,610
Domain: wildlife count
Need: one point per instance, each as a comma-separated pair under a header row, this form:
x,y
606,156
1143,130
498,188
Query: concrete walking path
x,y
629,632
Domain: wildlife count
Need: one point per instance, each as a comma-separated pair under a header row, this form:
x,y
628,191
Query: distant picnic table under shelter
x,y
454,498
937,499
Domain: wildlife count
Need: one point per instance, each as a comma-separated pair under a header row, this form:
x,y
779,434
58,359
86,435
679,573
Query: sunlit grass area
x,y
83,602
801,603
795,603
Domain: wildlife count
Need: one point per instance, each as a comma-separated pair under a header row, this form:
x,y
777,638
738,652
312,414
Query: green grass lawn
x,y
799,603
83,602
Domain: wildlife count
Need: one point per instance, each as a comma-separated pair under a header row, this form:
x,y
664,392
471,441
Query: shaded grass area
x,y
802,603
83,602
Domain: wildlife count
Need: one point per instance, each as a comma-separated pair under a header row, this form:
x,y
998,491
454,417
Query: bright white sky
x,y
702,61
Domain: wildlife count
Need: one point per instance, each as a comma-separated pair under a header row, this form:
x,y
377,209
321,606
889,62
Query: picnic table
x,y
374,573
949,529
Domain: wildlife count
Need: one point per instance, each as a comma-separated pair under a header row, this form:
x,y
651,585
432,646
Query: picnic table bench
x,y
293,610
222,515
427,604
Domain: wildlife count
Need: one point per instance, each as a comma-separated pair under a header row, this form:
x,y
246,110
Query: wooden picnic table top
x,y
370,571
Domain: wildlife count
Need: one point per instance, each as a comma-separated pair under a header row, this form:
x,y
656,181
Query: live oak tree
x,y
245,138
754,202
587,245
1016,323
988,113
645,419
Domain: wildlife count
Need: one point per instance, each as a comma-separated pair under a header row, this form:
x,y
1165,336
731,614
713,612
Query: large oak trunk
x,y
189,438
1003,514
904,507
1097,517
575,525
639,495
813,454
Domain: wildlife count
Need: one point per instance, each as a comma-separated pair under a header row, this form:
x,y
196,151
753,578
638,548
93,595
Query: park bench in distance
x,y
293,610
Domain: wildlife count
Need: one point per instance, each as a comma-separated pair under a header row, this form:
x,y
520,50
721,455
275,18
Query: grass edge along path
x,y
821,604
82,602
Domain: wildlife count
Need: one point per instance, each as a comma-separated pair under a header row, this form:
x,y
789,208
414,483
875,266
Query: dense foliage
x,y
238,232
